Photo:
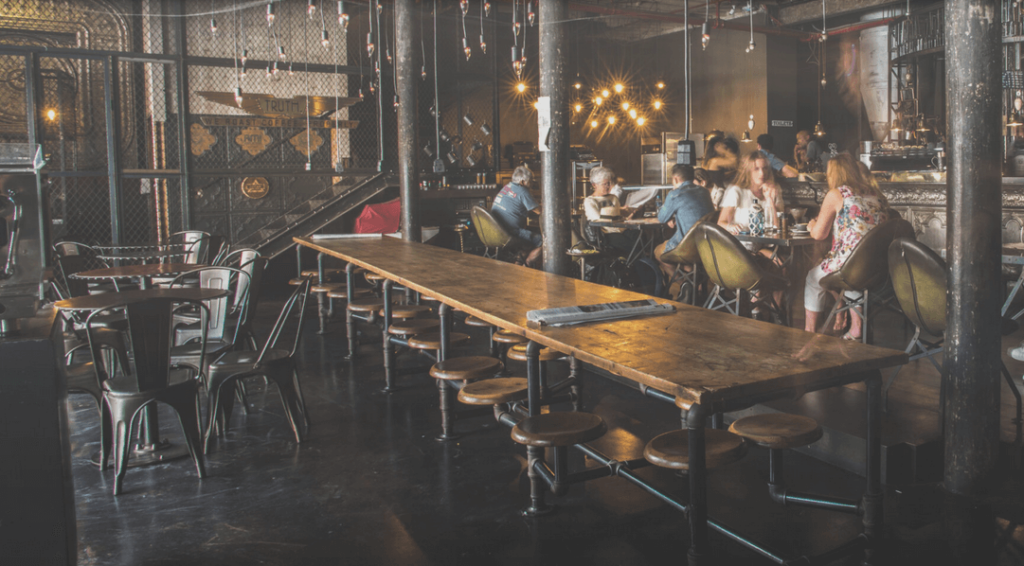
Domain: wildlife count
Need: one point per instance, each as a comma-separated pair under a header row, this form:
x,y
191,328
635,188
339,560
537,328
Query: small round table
x,y
150,450
140,254
142,272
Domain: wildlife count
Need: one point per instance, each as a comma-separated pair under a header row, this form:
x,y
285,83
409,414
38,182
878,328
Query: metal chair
x,y
686,253
196,242
491,233
730,266
919,281
865,271
153,379
272,362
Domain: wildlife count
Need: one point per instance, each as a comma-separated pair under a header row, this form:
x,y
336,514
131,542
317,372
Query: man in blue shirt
x,y
684,206
512,206
766,145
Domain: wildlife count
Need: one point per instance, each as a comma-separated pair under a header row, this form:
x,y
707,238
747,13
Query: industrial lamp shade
x,y
746,136
1014,119
819,130
922,126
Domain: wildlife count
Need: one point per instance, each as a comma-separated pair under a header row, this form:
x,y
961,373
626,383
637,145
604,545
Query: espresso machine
x,y
24,233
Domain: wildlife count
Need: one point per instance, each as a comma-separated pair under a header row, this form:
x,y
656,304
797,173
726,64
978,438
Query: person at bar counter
x,y
810,154
766,145
684,206
599,205
754,181
851,208
511,207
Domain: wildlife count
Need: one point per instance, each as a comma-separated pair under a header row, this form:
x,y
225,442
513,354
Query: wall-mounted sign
x,y
249,122
253,140
299,142
255,187
202,140
782,123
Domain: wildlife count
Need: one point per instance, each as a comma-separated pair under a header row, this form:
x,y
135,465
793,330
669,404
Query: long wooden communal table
x,y
719,361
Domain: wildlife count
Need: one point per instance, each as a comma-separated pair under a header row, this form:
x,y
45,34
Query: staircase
x,y
317,212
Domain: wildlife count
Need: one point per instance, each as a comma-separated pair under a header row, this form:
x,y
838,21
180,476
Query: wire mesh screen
x,y
287,104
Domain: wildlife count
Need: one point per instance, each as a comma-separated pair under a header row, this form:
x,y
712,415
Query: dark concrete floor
x,y
370,485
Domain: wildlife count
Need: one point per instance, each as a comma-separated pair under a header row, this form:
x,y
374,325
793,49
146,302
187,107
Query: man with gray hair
x,y
512,206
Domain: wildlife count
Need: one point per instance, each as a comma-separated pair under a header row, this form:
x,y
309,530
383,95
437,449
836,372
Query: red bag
x,y
382,218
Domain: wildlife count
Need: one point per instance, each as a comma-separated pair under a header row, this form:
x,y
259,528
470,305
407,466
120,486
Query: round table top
x,y
139,253
102,301
146,270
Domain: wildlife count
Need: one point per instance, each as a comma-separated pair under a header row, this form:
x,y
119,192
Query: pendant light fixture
x,y
705,35
483,44
750,11
342,15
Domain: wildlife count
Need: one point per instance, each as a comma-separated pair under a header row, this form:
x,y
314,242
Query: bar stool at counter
x,y
455,374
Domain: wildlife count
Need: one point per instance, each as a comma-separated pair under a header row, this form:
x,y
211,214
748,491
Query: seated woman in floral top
x,y
852,207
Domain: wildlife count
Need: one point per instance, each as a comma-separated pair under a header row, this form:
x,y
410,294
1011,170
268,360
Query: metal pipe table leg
x,y
699,552
389,348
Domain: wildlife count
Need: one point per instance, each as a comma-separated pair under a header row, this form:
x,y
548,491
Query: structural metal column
x,y
556,217
407,69
973,346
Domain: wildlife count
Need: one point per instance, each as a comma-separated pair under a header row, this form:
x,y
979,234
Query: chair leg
x,y
292,401
106,434
185,405
124,413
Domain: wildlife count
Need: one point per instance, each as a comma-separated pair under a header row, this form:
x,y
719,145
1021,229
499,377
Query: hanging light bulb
x,y
530,14
823,82
522,59
521,87
269,72
361,95
1014,120
625,106
325,41
578,107
396,103
373,89
274,72
270,13
823,37
750,122
291,73
746,137
342,14
515,28
241,71
896,125
487,9
611,120
632,113
423,73
465,48
578,85
310,8
705,37
660,84
641,121
657,105
605,93
598,100
751,46
213,26
245,56
238,96
369,44
387,54
593,123
280,53
483,44
464,4
380,9
618,88
818,129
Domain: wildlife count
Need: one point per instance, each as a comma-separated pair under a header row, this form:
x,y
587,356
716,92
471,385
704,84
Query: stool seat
x,y
406,311
494,391
426,299
506,337
474,321
366,306
326,287
316,273
559,429
778,430
672,449
297,280
414,326
432,340
465,368
374,277
342,293
518,353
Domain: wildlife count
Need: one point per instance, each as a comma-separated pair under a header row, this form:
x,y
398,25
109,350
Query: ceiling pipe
x,y
664,17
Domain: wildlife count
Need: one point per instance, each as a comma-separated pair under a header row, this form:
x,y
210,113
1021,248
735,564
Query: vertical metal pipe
x,y
112,111
34,100
556,214
974,87
407,68
184,133
699,546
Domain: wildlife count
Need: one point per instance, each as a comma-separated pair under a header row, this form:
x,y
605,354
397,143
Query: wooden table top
x,y
102,301
709,355
129,271
139,253
631,223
